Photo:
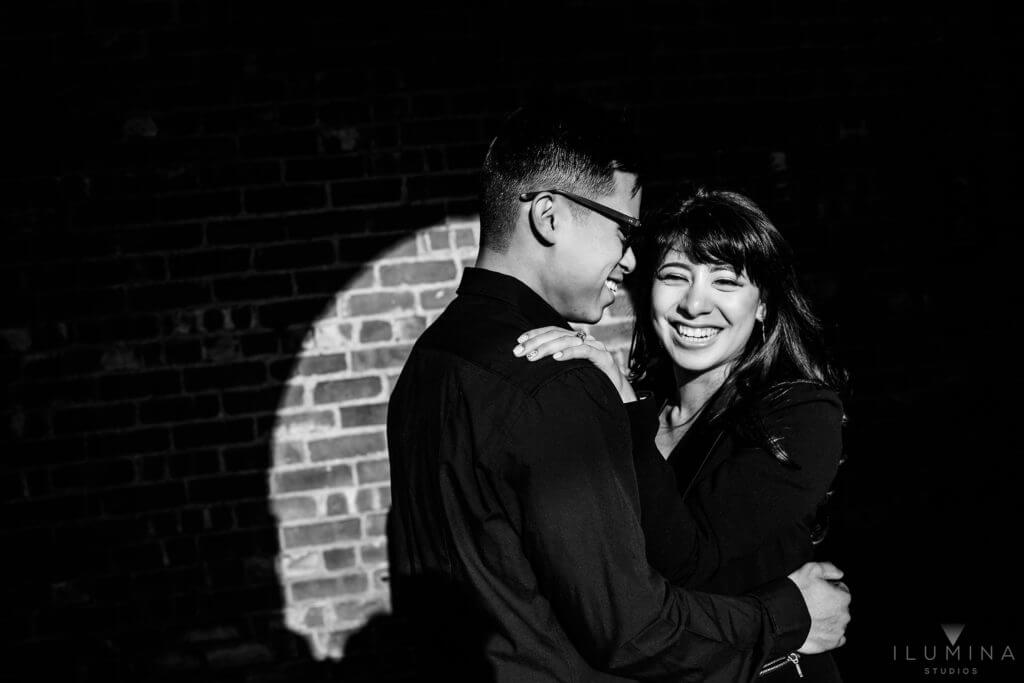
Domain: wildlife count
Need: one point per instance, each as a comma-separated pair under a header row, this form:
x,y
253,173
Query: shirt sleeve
x,y
581,532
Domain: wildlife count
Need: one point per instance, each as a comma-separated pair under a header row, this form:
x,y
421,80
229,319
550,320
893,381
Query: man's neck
x,y
511,264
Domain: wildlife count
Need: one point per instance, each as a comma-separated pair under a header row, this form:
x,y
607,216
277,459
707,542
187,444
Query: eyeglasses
x,y
625,220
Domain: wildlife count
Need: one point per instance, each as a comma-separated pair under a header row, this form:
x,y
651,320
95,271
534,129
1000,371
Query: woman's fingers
x,y
539,338
529,334
554,345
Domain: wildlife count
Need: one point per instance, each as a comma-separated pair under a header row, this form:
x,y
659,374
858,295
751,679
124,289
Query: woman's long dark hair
x,y
728,228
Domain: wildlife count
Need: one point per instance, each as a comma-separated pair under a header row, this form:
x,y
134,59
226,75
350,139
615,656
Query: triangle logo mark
x,y
952,632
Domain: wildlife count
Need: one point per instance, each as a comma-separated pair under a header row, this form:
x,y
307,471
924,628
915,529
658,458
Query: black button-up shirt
x,y
514,534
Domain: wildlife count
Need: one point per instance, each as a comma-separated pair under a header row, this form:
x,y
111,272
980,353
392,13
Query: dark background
x,y
153,147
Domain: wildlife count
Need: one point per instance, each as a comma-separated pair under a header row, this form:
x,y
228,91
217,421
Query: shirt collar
x,y
512,291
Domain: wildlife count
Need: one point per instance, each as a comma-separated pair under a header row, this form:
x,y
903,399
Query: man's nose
x,y
628,261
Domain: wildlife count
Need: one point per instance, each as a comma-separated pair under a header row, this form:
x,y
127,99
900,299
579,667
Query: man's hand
x,y
828,601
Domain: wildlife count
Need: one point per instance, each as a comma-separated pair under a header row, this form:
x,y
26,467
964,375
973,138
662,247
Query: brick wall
x,y
223,226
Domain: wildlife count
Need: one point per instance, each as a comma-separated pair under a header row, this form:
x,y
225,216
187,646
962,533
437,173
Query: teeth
x,y
696,332
612,285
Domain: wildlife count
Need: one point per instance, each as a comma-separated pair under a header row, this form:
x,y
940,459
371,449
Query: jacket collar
x,y
512,291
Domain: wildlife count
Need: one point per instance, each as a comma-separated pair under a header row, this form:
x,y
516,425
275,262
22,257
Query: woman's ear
x,y
762,311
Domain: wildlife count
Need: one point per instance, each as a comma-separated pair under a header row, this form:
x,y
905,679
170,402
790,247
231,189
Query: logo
x,y
955,659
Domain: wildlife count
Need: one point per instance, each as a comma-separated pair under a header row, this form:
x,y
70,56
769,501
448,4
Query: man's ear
x,y
546,218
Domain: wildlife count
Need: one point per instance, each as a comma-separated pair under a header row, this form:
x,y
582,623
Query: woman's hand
x,y
563,344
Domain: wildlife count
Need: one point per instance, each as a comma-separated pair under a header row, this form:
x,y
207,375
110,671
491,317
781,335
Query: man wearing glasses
x,y
514,531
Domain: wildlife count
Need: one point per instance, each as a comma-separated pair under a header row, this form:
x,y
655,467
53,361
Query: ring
x,y
582,335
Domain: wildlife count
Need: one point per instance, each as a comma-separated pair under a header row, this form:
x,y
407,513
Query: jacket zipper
x,y
776,664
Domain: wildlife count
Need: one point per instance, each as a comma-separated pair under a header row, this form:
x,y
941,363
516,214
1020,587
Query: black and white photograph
x,y
511,342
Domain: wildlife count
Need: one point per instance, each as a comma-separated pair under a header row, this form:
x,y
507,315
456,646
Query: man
x,y
514,532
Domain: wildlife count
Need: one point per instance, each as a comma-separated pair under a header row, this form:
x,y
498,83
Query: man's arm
x,y
582,533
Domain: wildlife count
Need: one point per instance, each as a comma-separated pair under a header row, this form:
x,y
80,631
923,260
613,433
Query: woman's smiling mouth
x,y
696,336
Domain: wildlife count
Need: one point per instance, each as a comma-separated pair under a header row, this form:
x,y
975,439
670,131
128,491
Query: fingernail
x,y
523,337
531,355
518,351
557,355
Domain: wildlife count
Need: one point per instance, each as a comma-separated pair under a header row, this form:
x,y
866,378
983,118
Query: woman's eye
x,y
727,282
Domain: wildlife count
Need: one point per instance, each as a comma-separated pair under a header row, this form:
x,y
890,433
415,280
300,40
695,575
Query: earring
x,y
764,335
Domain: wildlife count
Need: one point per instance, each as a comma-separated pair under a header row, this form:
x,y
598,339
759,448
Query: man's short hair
x,y
564,145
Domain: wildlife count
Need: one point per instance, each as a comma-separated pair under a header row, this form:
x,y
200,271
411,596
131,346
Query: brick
x,y
465,238
437,186
364,415
359,250
417,273
337,504
260,344
331,168
226,488
254,400
373,471
200,205
239,174
379,303
323,533
129,443
385,496
322,365
179,409
313,478
436,298
94,418
182,351
94,475
224,376
290,198
409,329
295,256
339,558
254,514
296,311
374,554
297,143
333,280
143,498
245,232
342,447
316,589
253,287
364,500
364,192
343,390
383,357
311,420
374,331
213,433
160,238
288,453
376,524
354,583
140,384
246,458
193,463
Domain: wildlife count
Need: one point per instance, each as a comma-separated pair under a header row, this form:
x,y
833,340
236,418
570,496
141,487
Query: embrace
x,y
555,520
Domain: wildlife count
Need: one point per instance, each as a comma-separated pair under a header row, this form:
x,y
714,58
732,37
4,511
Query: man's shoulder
x,y
483,345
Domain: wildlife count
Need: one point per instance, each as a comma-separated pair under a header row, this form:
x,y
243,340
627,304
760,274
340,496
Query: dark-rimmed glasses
x,y
631,224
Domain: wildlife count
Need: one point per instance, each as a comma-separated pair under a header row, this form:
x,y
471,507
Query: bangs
x,y
710,237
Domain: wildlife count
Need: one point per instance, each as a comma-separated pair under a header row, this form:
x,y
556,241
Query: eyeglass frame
x,y
608,212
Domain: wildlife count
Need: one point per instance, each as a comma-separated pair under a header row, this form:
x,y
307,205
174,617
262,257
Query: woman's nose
x,y
695,301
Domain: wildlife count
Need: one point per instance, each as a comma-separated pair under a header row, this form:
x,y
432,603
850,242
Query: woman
x,y
744,405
